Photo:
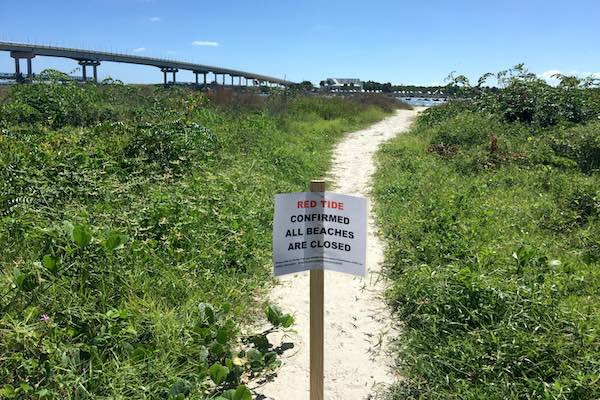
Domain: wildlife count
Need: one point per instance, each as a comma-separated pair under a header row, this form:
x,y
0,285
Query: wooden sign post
x,y
317,294
314,231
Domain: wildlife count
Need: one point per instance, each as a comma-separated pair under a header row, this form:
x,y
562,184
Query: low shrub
x,y
136,249
56,104
172,144
580,144
434,115
528,99
491,229
466,129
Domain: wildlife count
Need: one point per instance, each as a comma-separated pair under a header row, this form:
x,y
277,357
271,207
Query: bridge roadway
x,y
93,58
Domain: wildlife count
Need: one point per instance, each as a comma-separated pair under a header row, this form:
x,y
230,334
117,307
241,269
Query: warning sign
x,y
319,230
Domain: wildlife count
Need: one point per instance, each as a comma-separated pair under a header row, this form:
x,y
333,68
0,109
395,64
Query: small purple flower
x,y
44,318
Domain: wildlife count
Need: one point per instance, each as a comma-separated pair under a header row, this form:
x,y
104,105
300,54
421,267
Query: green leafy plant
x,y
278,318
134,223
218,373
491,247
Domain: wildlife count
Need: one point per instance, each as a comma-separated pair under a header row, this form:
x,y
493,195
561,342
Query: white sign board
x,y
313,230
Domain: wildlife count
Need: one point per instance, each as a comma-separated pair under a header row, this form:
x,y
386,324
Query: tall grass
x,y
492,229
135,227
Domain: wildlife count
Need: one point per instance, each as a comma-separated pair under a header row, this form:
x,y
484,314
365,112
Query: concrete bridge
x,y
93,59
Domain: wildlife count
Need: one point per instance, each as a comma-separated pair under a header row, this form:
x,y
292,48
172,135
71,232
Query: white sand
x,y
357,322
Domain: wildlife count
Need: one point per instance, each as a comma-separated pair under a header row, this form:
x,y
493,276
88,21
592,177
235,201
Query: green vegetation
x,y
135,231
491,211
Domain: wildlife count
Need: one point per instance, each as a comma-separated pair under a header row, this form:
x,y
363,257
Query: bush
x,y
466,129
56,104
434,115
136,251
576,203
493,254
528,99
581,144
172,144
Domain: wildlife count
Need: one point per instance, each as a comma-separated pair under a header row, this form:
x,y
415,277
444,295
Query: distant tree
x,y
304,85
372,85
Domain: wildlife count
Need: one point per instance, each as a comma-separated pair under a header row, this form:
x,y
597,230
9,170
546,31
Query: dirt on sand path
x,y
357,321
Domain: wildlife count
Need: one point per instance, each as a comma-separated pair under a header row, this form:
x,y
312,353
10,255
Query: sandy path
x,y
356,318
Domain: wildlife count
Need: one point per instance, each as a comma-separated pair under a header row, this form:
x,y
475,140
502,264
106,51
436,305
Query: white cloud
x,y
154,19
205,43
139,50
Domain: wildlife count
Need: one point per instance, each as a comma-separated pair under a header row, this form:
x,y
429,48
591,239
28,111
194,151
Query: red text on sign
x,y
336,205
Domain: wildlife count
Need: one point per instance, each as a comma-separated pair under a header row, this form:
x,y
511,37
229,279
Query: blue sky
x,y
410,42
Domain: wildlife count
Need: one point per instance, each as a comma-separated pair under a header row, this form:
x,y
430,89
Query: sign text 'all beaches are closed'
x,y
319,230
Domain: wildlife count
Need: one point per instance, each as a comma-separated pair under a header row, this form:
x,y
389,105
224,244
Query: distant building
x,y
342,85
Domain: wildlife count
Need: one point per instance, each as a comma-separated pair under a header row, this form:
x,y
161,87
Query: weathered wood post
x,y
317,283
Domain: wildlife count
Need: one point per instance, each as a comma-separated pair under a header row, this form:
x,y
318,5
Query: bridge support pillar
x,y
204,73
166,70
232,80
204,77
223,79
17,55
91,63
17,70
